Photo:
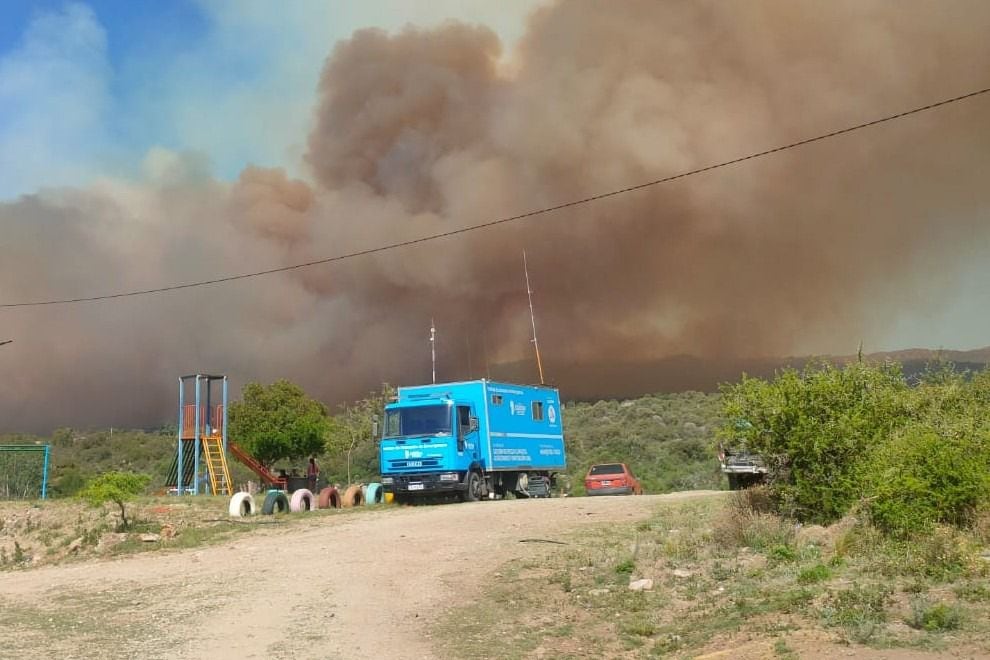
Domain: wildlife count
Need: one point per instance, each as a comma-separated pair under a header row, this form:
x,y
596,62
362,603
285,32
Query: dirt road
x,y
354,586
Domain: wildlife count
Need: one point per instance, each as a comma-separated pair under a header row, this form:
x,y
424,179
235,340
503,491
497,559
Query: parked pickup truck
x,y
475,440
743,468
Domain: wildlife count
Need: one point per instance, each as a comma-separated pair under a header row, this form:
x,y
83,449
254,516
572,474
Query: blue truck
x,y
476,440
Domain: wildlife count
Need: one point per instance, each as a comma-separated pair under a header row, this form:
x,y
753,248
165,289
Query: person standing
x,y
312,472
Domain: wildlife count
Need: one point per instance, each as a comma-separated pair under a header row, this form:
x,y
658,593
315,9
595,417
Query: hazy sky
x,y
147,143
88,88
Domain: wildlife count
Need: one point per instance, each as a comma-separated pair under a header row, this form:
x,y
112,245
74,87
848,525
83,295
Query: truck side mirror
x,y
473,425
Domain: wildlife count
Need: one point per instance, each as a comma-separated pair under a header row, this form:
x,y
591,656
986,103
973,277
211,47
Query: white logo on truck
x,y
552,414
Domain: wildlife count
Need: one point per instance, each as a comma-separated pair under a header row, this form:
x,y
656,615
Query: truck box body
x,y
435,435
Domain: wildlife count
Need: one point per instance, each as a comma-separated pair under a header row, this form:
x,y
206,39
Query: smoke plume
x,y
426,131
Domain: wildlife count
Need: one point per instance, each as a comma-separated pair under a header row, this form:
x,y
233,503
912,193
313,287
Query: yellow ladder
x,y
216,464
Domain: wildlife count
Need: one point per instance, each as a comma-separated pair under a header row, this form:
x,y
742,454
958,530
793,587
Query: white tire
x,y
302,500
241,504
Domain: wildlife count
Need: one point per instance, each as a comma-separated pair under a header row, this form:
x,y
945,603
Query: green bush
x,y
115,487
934,617
815,429
924,477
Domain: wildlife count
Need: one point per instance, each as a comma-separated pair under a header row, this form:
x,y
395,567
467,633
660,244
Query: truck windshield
x,y
418,420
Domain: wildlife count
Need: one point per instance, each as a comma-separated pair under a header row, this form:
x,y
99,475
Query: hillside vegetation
x,y
666,440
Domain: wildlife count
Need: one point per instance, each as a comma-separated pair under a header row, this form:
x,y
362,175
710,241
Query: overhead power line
x,y
505,220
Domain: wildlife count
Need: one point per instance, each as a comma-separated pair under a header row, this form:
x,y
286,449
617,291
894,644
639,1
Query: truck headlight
x,y
449,476
387,481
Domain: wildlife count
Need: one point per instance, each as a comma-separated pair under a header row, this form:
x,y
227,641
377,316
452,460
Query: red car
x,y
611,479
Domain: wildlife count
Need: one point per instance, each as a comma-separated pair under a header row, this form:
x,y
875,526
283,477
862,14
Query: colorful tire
x,y
275,501
364,492
373,494
241,504
352,497
329,498
389,498
302,500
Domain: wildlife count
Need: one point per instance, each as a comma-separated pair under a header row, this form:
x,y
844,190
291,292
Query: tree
x,y
278,422
116,487
351,435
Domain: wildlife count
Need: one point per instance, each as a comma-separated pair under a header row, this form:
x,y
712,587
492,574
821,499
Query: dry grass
x,y
724,570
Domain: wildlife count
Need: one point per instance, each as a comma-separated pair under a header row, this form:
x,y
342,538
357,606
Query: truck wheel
x,y
733,481
473,492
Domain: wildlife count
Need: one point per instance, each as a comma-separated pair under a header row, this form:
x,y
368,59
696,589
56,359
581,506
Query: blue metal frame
x,y
199,394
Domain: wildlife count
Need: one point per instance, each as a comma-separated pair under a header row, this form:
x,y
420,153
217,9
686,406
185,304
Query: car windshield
x,y
611,468
417,420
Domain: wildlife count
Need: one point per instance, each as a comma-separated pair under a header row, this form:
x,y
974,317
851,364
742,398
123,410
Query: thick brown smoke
x,y
429,130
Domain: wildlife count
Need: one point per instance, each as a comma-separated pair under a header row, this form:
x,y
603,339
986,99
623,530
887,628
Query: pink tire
x,y
302,500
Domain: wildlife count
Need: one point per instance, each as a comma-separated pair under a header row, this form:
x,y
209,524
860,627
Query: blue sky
x,y
88,89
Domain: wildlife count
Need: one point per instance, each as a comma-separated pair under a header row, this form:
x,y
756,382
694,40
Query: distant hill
x,y
592,381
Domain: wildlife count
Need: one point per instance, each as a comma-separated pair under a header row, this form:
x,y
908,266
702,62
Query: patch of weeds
x,y
915,587
19,556
859,609
937,617
783,651
791,601
782,554
759,531
814,574
721,572
640,626
973,592
625,567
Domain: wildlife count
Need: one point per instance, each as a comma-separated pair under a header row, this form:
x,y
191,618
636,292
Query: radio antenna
x,y
433,348
532,318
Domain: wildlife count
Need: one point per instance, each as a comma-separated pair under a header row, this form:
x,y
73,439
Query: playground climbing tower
x,y
202,447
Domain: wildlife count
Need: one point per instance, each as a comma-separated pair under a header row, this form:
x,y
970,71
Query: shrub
x,y
116,487
814,429
934,617
924,477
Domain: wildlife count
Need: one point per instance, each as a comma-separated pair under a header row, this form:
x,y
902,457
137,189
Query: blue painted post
x,y
224,418
44,475
195,483
178,468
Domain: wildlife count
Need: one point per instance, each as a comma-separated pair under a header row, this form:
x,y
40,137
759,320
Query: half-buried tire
x,y
374,494
302,500
275,501
352,497
241,504
329,498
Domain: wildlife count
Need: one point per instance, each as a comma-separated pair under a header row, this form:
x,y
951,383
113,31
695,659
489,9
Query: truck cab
x,y
457,439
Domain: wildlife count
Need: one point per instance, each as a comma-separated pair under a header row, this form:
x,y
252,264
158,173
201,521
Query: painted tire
x,y
389,498
241,504
275,501
352,497
302,500
374,494
364,492
329,498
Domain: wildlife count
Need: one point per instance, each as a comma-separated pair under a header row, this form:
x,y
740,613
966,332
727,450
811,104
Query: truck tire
x,y
329,498
302,500
241,504
473,491
352,497
733,481
275,500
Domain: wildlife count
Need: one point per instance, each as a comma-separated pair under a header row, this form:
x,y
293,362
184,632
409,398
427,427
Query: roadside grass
x,y
58,531
722,571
